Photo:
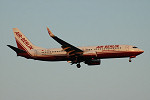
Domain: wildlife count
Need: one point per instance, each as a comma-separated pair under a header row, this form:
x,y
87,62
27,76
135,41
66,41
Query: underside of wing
x,y
70,49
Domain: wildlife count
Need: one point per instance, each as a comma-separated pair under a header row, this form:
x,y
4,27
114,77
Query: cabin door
x,y
127,48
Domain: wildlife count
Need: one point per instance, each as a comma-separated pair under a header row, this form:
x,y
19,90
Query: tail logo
x,y
24,40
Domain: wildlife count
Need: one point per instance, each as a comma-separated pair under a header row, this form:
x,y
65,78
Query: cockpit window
x,y
135,47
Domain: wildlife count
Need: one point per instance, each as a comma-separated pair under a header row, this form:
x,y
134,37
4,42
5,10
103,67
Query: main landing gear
x,y
78,65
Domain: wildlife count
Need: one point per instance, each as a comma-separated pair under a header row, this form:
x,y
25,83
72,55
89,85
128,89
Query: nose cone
x,y
141,51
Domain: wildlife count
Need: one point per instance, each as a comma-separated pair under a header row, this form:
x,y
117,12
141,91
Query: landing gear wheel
x,y
78,65
130,60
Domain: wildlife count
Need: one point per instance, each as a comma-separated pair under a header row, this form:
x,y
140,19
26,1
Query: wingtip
x,y
8,45
50,33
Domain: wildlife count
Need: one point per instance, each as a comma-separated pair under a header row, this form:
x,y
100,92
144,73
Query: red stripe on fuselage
x,y
117,54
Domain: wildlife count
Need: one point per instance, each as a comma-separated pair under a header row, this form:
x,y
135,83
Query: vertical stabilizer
x,y
22,42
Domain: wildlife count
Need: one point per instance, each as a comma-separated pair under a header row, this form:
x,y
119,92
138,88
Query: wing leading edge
x,y
70,49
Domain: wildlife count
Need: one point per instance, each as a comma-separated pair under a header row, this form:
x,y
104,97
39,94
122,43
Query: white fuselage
x,y
99,52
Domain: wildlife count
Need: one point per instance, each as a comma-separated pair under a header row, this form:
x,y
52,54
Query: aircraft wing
x,y
70,49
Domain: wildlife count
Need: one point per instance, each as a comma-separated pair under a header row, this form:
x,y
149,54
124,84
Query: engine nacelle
x,y
93,62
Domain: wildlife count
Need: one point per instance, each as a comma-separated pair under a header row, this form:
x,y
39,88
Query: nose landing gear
x,y
130,60
131,57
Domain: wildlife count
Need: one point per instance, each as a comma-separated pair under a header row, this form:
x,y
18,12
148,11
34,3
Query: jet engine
x,y
93,62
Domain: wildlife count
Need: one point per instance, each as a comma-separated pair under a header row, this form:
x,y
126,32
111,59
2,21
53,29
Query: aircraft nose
x,y
141,51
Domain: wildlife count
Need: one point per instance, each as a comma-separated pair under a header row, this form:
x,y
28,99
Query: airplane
x,y
90,55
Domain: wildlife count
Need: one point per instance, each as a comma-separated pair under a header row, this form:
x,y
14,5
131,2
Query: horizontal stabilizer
x,y
16,49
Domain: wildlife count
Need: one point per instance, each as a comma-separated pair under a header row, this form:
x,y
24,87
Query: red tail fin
x,y
22,42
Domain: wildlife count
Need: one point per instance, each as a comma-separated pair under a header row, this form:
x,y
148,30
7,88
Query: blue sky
x,y
81,23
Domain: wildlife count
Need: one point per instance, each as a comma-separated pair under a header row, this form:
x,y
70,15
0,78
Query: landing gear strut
x,y
78,65
130,59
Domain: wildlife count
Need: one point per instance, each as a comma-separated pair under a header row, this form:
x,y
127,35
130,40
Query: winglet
x,y
50,33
